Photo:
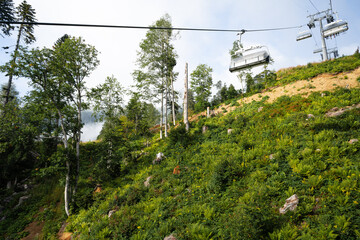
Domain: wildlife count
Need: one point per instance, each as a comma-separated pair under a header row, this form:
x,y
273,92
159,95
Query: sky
x,y
118,47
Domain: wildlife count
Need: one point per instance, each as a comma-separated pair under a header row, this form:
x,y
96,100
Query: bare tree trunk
x,y
173,100
186,121
162,113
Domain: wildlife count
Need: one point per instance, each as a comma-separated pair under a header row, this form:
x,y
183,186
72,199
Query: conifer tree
x,y
26,14
7,15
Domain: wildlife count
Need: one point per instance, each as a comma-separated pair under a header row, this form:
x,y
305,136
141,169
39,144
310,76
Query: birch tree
x,y
157,59
73,61
58,75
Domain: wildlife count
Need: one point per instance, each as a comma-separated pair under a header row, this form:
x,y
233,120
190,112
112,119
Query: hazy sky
x,y
118,47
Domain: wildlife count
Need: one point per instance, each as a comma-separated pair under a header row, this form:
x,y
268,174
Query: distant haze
x,y
91,131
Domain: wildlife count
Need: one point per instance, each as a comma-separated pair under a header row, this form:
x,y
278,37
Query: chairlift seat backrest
x,y
334,28
303,35
249,58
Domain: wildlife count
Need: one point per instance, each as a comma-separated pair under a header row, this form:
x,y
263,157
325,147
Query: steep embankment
x,y
285,164
270,169
321,83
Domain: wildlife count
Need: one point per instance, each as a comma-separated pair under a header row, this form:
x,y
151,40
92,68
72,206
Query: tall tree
x,y
58,74
157,59
107,99
25,13
201,83
7,15
38,66
107,103
134,110
74,60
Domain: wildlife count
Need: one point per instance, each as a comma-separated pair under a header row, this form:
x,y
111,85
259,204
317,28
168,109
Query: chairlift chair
x,y
303,35
251,57
335,28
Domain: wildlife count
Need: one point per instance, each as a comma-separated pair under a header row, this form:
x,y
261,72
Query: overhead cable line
x,y
149,27
314,6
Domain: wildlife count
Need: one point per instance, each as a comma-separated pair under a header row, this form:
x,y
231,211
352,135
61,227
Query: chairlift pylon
x,y
250,57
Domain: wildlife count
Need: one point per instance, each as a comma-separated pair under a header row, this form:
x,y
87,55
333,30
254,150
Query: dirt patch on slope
x,y
321,83
34,228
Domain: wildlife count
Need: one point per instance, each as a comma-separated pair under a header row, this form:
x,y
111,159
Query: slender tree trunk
x,y
78,140
186,121
67,186
13,62
67,162
166,109
161,114
173,100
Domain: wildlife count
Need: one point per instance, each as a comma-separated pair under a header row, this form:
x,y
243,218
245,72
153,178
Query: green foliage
x,y
261,81
229,186
107,99
236,46
179,138
6,15
26,14
201,83
143,115
338,65
16,143
226,172
45,204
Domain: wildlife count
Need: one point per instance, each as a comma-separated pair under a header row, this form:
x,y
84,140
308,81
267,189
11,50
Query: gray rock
x,y
290,204
21,200
310,115
334,112
147,182
111,212
204,129
170,237
159,157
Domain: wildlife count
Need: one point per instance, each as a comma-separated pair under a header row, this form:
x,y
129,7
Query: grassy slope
x,y
232,186
229,186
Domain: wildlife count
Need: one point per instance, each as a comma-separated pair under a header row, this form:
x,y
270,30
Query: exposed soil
x,y
34,228
321,83
62,235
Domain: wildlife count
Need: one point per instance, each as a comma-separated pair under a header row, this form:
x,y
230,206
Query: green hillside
x,y
225,179
231,186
